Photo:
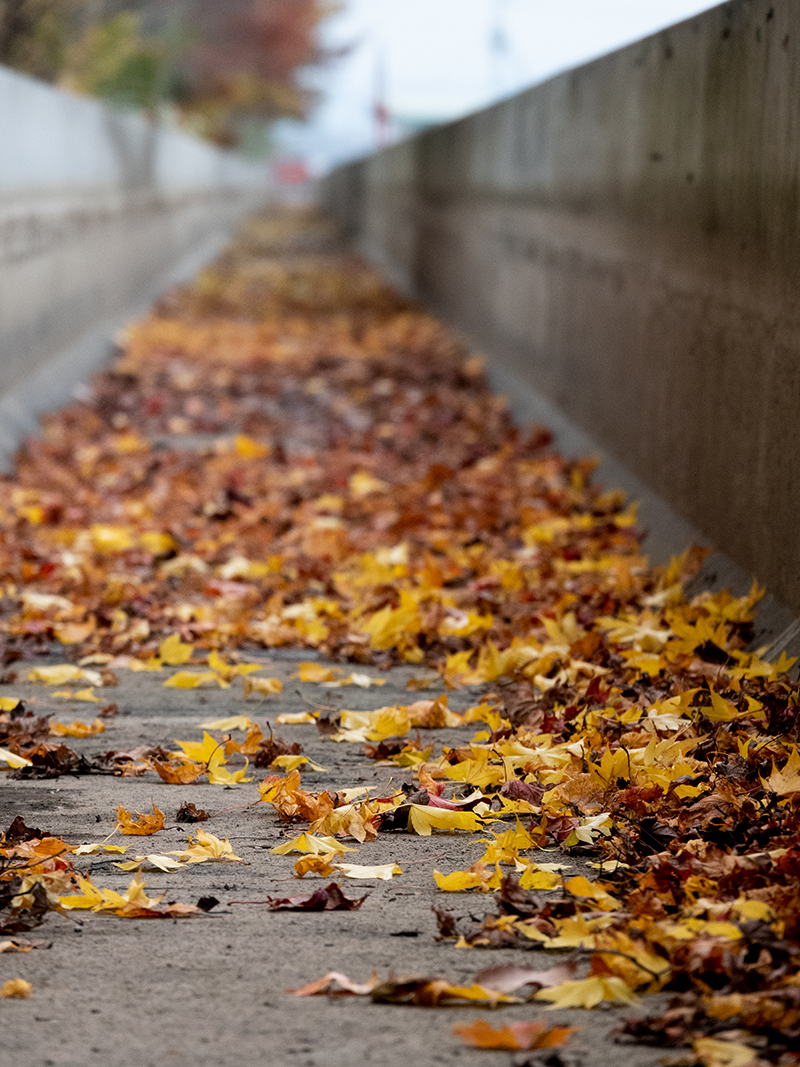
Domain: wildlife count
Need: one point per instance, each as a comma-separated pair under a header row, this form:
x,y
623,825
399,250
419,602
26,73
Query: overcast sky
x,y
437,59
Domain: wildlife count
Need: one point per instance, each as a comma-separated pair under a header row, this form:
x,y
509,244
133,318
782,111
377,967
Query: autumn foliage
x,y
287,453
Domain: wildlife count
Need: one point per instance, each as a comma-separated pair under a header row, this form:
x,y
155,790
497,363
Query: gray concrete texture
x,y
97,211
211,990
624,239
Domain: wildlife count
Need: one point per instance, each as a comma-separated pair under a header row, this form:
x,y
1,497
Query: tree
x,y
35,34
220,64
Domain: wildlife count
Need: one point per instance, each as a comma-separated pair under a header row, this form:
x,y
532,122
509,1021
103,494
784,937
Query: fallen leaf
x,y
173,652
207,847
265,686
423,819
308,843
588,992
233,722
513,1036
295,718
193,679
326,986
153,860
13,760
77,729
321,865
509,977
178,771
187,812
316,672
330,898
16,987
382,871
137,823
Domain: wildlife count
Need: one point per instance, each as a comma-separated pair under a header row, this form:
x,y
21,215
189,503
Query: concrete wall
x,y
98,210
626,238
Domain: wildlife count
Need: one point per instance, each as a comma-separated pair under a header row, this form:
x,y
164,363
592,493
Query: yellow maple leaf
x,y
321,865
478,876
588,992
316,672
153,860
77,729
288,762
227,670
207,847
580,886
16,987
206,751
265,686
193,679
295,718
382,871
178,771
91,898
394,626
233,722
714,1053
534,877
219,776
9,703
174,652
138,823
59,674
308,843
13,760
422,819
786,780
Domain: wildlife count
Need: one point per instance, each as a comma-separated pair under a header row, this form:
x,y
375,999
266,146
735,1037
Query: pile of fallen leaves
x,y
286,453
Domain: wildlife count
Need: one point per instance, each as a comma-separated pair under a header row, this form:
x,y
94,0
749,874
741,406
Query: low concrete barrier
x,y
625,238
99,210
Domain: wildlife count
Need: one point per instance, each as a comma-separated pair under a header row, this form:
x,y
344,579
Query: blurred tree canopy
x,y
219,66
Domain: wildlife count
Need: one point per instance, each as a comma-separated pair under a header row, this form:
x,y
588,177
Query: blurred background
x,y
314,82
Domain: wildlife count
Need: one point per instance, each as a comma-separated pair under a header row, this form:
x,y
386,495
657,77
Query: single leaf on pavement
x,y
513,1036
152,860
321,865
331,898
136,822
266,687
77,729
233,722
178,771
313,844
16,987
207,847
327,986
383,871
509,977
173,652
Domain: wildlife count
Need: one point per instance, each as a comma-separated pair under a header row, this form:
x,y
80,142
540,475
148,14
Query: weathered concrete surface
x,y
625,239
211,990
97,210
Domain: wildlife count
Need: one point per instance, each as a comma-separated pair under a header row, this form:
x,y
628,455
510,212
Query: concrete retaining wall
x,y
626,239
98,211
